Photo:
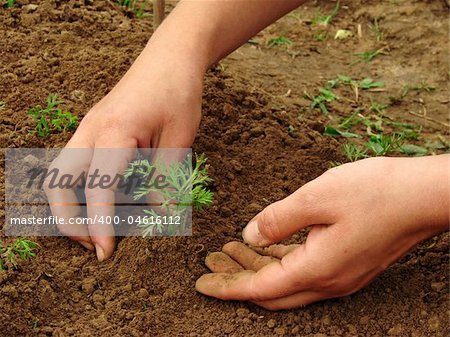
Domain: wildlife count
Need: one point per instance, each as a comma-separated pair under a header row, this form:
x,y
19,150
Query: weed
x,y
21,249
422,86
352,120
325,20
320,36
279,41
367,56
52,118
132,5
376,30
368,83
331,131
377,107
381,145
186,187
353,152
325,96
9,3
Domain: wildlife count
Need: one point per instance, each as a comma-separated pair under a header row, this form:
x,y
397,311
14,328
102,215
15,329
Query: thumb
x,y
284,218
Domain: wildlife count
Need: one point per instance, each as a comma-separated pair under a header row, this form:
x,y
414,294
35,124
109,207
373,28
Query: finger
x,y
246,256
278,251
284,218
219,262
275,280
63,201
110,163
292,301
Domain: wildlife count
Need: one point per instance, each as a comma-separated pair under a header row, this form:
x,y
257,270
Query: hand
x,y
364,216
156,104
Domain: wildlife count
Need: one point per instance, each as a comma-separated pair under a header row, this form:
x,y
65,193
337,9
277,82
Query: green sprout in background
x,y
134,6
186,188
325,20
10,254
52,118
279,41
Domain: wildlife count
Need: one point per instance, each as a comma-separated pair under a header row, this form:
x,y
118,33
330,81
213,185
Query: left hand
x,y
364,217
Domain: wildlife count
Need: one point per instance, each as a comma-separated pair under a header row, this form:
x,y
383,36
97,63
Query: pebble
x,y
364,320
280,331
437,286
30,8
143,293
396,330
271,323
434,323
242,312
295,330
88,285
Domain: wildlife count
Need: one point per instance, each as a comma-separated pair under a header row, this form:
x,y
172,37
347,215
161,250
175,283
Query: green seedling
x,y
320,36
368,83
364,84
422,86
334,132
381,145
353,152
352,120
186,186
325,20
368,56
52,118
21,249
377,107
413,150
376,30
134,6
9,3
279,41
326,95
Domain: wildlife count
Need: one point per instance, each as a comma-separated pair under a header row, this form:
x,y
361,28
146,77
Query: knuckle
x,y
268,224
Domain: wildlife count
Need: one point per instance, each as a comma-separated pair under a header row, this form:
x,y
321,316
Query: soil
x,y
263,142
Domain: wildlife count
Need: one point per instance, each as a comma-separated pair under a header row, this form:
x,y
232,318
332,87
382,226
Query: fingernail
x,y
252,236
87,245
100,252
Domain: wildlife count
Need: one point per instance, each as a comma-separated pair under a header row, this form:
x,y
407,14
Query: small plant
x,y
326,95
186,187
381,145
376,30
368,83
52,118
377,107
353,152
368,56
325,20
422,86
21,249
279,41
9,4
133,6
320,36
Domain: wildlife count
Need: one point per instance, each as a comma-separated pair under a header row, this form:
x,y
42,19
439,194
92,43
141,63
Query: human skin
x,y
363,216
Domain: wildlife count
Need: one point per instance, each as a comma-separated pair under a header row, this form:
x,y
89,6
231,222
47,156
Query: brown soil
x,y
79,49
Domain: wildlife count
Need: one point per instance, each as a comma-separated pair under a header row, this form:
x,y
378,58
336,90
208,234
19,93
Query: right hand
x,y
156,104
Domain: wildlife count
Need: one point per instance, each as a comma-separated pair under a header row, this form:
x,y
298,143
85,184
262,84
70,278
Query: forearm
x,y
204,31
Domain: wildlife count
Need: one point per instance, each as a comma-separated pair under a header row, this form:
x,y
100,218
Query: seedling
x,y
133,6
377,107
376,29
331,131
21,249
325,20
368,56
422,86
368,83
9,3
320,36
326,95
353,152
279,41
52,118
186,187
382,145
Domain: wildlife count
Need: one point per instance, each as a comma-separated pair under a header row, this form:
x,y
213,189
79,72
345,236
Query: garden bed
x,y
262,140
